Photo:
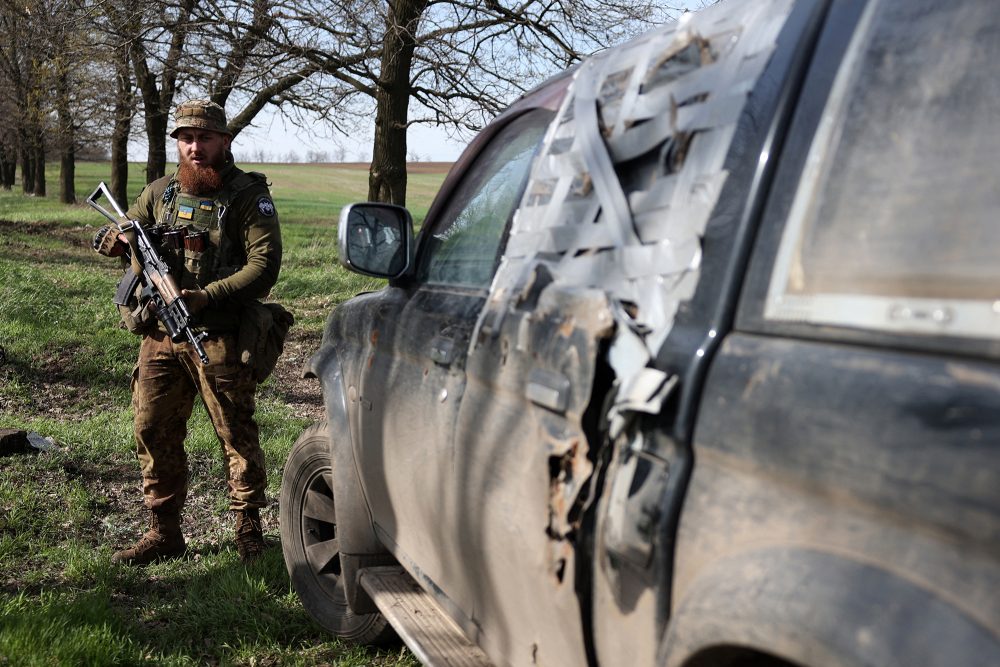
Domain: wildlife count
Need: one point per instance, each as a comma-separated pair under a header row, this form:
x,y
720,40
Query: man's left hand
x,y
196,299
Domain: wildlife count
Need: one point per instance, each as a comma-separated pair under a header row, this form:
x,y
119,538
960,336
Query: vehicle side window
x,y
464,245
894,224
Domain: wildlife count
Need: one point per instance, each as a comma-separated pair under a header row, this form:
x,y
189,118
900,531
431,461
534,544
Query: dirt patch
x,y
50,389
73,242
302,395
77,235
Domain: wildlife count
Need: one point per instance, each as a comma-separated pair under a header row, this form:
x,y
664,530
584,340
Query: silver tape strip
x,y
608,188
642,248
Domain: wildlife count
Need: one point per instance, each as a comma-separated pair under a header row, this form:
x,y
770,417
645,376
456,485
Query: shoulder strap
x,y
240,182
160,186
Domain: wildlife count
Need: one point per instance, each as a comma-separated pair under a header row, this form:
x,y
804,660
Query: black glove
x,y
108,242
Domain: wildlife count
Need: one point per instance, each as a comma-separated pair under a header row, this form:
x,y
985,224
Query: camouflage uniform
x,y
241,260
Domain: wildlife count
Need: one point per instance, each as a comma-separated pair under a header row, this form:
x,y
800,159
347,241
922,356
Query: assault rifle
x,y
157,284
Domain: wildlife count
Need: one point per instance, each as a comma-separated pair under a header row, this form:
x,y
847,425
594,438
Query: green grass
x,y
64,373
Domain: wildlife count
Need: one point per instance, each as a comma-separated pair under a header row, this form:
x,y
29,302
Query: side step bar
x,y
418,620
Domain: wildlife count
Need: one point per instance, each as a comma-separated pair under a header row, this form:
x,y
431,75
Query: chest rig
x,y
197,241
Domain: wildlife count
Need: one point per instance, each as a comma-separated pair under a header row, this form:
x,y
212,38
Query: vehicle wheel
x,y
309,541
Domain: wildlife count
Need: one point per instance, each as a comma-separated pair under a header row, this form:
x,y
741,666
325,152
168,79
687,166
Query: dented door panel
x,y
524,462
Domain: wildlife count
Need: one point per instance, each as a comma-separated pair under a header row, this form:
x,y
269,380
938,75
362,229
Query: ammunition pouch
x,y
261,339
199,268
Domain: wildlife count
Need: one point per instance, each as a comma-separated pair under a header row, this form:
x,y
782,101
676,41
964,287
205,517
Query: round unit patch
x,y
265,206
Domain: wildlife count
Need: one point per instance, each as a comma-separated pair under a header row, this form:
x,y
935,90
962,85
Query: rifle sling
x,y
133,245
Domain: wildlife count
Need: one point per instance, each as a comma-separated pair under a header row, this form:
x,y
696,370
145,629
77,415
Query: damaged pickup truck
x,y
695,361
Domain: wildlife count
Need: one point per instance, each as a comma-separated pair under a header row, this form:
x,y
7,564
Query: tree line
x,y
79,77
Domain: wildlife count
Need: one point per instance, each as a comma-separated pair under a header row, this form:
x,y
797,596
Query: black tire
x,y
309,541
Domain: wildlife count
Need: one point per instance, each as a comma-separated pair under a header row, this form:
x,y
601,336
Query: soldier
x,y
224,245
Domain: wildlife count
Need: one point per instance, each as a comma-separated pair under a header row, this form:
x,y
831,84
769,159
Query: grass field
x,y
64,374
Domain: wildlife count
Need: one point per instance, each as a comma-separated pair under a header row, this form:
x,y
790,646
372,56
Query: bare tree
x,y
471,59
387,175
21,64
117,23
54,67
456,63
67,50
225,50
446,62
8,132
156,53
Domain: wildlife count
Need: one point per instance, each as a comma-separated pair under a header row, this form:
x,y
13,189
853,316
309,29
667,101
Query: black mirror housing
x,y
376,239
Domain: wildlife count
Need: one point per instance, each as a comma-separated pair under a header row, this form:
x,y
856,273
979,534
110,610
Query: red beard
x,y
198,180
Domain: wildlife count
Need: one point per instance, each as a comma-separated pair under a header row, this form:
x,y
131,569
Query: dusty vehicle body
x,y
694,362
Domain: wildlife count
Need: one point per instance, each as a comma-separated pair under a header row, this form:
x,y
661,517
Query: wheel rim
x,y
320,544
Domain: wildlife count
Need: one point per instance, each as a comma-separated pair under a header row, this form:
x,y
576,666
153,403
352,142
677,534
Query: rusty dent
x,y
569,470
565,331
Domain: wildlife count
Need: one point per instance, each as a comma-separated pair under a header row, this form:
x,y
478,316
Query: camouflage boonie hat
x,y
202,114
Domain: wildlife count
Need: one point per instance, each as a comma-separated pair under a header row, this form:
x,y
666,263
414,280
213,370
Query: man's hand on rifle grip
x,y
195,299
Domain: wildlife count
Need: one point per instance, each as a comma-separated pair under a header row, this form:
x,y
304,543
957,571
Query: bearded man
x,y
220,234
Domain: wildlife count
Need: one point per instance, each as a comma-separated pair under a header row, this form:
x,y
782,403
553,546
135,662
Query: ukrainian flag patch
x,y
185,212
206,205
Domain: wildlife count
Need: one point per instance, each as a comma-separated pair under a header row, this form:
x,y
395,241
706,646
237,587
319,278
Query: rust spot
x,y
566,328
559,556
569,470
374,337
371,360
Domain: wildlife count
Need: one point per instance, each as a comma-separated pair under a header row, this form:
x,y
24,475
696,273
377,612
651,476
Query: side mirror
x,y
375,239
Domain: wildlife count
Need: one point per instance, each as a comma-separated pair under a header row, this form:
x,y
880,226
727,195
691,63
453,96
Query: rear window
x,y
895,223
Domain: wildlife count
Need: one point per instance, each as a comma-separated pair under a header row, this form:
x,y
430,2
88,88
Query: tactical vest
x,y
197,243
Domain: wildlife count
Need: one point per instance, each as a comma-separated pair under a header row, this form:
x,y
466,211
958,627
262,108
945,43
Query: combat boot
x,y
249,535
163,541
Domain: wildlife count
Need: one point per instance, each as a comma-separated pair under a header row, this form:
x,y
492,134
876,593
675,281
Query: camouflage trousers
x,y
165,382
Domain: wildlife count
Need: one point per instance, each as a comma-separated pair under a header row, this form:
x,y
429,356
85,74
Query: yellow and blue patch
x,y
206,205
185,212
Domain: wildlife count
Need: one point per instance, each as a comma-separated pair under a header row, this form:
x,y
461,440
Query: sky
x,y
277,138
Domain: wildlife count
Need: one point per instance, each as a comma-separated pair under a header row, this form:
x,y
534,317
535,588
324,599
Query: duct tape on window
x,y
675,94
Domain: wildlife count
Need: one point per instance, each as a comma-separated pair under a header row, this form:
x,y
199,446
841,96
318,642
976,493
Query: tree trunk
x,y
39,160
156,134
67,140
158,98
27,166
387,175
8,163
119,134
67,175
